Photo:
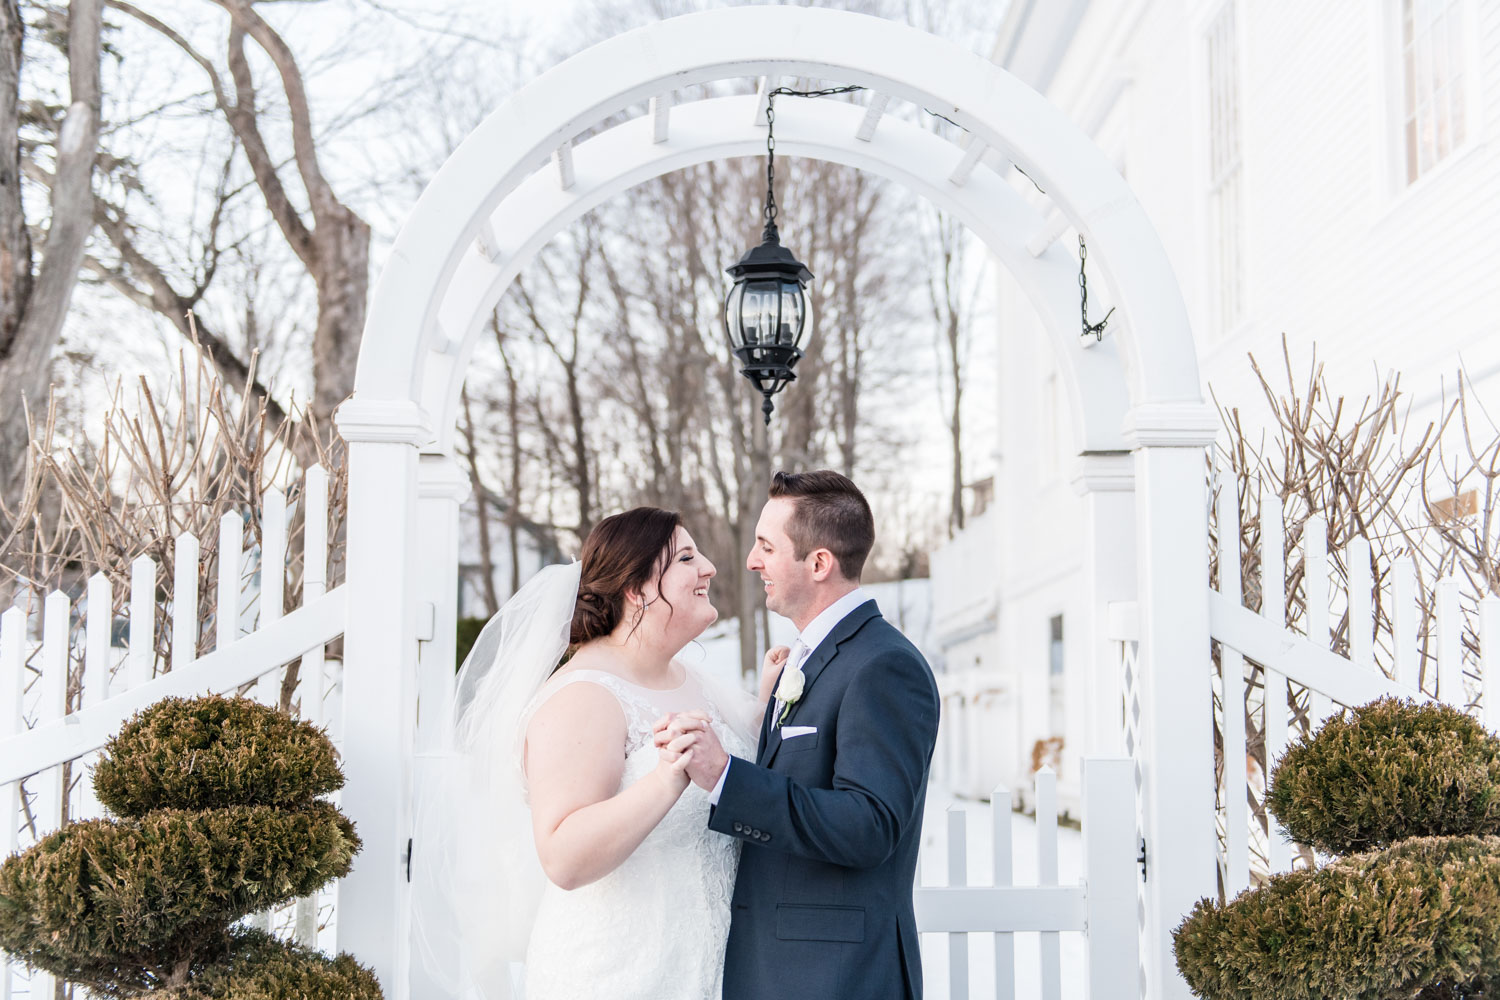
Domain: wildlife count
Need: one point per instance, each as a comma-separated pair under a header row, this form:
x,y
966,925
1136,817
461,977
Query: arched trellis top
x,y
488,210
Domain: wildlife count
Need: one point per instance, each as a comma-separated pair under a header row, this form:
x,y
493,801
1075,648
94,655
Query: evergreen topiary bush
x,y
1377,926
219,819
256,966
203,753
1417,917
1387,771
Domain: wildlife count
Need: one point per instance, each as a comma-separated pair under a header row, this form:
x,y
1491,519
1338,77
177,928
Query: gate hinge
x,y
1141,859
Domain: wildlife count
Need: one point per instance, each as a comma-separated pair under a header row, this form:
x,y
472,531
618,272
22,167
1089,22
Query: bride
x,y
613,885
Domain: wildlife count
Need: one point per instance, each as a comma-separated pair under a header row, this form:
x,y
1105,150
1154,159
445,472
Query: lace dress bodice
x,y
654,927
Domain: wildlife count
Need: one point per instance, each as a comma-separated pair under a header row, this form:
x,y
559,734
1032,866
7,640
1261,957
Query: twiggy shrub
x,y
1420,919
203,753
1388,771
258,967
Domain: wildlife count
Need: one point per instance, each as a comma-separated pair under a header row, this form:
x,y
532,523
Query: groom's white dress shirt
x,y
817,630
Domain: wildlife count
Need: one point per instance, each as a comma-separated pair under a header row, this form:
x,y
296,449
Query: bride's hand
x,y
673,759
770,670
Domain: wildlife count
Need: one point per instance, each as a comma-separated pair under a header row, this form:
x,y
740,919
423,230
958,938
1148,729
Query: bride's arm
x,y
584,825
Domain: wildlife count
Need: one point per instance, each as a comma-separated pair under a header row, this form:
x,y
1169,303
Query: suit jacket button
x,y
766,837
739,828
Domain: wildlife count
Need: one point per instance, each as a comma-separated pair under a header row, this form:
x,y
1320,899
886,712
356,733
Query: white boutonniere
x,y
789,689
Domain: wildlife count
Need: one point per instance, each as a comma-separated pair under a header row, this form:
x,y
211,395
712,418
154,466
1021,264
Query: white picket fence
x,y
1101,907
38,733
1293,663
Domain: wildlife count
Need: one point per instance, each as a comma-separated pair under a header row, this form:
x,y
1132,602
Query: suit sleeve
x,y
887,727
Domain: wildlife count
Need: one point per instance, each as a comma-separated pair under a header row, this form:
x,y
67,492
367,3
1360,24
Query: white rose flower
x,y
790,688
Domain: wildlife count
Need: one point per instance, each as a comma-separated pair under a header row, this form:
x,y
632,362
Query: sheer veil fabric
x,y
476,881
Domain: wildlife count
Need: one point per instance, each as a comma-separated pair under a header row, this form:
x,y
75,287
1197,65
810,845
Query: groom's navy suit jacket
x,y
831,823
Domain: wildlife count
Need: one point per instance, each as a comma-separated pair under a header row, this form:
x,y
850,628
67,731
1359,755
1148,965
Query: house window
x,y
1055,646
1433,96
1226,170
1057,700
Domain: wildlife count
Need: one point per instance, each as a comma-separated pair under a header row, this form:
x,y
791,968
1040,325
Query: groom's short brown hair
x,y
829,512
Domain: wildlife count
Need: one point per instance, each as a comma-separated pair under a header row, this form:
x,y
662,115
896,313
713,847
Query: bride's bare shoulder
x,y
572,703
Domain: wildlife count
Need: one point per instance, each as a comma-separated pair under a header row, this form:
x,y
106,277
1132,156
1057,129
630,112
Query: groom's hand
x,y
709,758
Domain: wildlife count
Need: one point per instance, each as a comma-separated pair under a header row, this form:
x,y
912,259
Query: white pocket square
x,y
787,732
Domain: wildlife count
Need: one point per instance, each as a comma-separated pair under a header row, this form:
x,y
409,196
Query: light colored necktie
x,y
794,660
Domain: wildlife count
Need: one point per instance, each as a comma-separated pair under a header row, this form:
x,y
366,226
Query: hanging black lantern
x,y
766,312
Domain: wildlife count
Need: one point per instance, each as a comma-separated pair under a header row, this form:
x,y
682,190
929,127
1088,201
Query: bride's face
x,y
685,584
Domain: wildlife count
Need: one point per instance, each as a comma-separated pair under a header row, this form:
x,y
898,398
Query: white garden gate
x,y
1141,424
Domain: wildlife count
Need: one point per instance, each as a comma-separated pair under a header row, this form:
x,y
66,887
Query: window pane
x,y
1221,43
791,315
1456,105
1411,151
1433,100
1409,85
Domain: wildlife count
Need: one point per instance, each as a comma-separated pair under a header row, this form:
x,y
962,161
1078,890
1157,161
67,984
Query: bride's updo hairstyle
x,y
620,555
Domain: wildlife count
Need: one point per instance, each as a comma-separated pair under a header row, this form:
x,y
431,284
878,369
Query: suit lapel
x,y
767,728
816,663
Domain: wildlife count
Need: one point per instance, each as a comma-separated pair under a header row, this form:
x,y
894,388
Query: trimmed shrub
x,y
1389,770
1423,915
220,819
101,894
256,966
205,753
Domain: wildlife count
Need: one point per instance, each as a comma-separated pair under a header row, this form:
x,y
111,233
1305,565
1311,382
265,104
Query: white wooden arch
x,y
614,161
496,202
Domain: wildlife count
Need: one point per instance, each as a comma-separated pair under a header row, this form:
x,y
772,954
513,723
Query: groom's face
x,y
788,580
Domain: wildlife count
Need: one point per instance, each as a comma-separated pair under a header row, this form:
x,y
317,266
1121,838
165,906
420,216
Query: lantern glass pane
x,y
758,314
805,301
791,314
732,320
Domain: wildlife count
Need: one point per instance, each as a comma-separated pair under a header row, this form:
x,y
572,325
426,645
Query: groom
x,y
830,810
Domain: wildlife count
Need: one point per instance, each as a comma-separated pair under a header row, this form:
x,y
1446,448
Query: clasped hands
x,y
687,744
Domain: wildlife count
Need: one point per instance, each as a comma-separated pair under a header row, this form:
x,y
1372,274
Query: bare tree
x,y
36,288
567,347
482,503
952,300
329,238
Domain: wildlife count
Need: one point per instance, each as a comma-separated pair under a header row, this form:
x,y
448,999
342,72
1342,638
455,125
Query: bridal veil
x,y
476,878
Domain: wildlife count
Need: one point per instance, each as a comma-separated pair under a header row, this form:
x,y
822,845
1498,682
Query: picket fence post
x,y
1489,652
1109,869
1002,846
1232,700
12,658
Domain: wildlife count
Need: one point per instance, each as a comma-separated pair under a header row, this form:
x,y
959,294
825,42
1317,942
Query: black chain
x,y
1097,329
770,233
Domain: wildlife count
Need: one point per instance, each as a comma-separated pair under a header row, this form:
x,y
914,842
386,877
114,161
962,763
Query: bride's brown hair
x,y
620,555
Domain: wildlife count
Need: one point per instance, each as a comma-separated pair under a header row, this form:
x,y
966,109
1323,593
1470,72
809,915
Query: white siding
x,y
1337,248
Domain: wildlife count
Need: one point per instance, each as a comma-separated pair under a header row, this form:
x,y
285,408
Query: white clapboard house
x,y
1326,170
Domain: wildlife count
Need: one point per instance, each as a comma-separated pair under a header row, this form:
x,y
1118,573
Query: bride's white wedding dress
x,y
655,927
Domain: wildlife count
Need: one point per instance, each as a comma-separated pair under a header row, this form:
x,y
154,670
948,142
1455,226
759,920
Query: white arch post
x,y
489,210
